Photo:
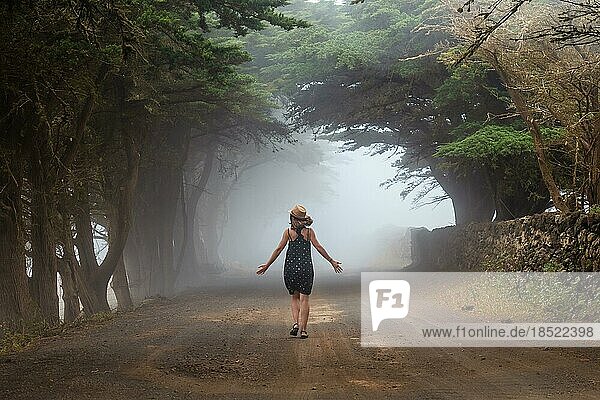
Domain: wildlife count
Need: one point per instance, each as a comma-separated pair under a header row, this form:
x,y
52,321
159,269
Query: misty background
x,y
359,222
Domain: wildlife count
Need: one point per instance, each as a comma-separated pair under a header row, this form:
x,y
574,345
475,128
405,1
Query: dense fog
x,y
356,219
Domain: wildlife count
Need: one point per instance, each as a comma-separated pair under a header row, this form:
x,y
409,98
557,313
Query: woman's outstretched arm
x,y
313,239
264,267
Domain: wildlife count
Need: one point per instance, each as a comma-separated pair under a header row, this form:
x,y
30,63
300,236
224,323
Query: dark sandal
x,y
294,331
303,335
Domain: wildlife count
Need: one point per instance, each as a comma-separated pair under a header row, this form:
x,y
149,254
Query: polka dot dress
x,y
298,270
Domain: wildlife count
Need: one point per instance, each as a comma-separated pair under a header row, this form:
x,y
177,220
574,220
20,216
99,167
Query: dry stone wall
x,y
543,242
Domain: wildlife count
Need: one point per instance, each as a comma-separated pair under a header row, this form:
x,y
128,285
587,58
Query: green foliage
x,y
463,85
246,15
399,88
341,39
491,144
552,267
172,60
373,76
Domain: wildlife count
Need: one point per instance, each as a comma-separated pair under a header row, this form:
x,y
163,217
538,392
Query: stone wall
x,y
543,242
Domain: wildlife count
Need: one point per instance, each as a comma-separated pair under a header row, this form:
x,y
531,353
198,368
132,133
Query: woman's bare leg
x,y
295,306
304,310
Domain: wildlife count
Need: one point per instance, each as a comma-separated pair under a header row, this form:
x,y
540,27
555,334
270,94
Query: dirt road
x,y
231,341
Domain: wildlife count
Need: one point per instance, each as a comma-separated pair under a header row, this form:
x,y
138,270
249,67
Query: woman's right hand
x,y
262,269
336,266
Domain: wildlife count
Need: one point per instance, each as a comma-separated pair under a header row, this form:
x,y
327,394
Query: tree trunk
x,y
594,172
120,286
43,244
536,134
188,259
149,257
139,256
92,283
472,198
471,206
520,200
92,292
68,265
17,308
93,278
69,288
213,209
540,151
594,197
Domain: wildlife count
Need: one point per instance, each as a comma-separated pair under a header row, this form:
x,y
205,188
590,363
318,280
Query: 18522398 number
x,y
565,331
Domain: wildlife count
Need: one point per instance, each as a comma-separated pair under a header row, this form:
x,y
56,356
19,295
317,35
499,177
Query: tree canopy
x,y
394,90
96,94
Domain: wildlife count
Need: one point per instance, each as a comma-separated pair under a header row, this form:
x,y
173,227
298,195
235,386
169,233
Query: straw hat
x,y
299,212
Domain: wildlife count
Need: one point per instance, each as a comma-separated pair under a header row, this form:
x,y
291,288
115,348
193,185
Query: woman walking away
x,y
298,270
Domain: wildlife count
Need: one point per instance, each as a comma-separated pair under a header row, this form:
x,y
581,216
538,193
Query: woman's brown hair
x,y
297,223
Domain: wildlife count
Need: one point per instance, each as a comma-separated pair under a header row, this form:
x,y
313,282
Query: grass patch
x,y
552,266
12,341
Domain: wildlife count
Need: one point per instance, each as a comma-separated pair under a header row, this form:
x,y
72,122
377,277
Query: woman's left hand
x,y
337,266
262,269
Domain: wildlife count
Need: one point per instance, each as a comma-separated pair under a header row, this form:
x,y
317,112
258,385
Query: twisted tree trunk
x,y
93,278
17,308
